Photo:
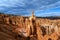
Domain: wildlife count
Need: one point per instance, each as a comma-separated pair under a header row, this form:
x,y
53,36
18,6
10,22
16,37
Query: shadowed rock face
x,y
28,28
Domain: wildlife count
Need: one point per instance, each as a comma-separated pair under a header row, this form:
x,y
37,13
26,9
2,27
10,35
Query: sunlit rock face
x,y
29,28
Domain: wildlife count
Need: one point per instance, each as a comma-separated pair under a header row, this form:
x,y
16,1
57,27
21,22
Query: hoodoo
x,y
29,28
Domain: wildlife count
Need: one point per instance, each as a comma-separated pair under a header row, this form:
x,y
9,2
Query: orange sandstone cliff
x,y
14,27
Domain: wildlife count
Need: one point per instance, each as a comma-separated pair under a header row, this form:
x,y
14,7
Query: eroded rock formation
x,y
28,28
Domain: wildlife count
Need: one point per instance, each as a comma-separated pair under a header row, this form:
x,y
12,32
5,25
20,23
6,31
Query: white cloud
x,y
10,3
49,14
54,5
25,6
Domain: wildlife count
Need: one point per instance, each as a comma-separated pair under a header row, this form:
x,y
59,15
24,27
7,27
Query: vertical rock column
x,y
27,26
39,36
6,19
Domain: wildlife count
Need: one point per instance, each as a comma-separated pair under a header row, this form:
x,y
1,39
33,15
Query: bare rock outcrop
x,y
14,27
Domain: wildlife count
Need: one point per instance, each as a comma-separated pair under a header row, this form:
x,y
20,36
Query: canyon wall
x,y
29,28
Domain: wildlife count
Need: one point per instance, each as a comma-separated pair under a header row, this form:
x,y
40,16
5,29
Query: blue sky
x,y
25,7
